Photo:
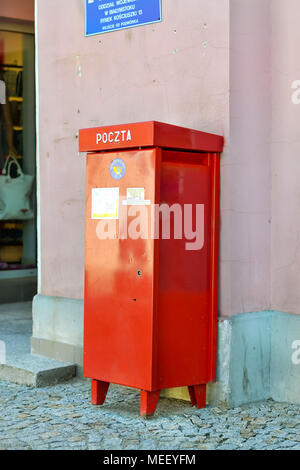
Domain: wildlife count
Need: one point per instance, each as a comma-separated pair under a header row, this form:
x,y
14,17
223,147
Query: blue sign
x,y
103,16
117,169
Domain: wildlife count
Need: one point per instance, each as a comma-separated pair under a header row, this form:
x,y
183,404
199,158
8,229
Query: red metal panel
x,y
175,137
214,263
119,305
184,277
116,137
146,134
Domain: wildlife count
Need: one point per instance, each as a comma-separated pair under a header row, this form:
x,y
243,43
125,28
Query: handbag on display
x,y
15,193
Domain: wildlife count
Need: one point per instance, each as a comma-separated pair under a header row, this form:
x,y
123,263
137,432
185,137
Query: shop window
x,y
17,138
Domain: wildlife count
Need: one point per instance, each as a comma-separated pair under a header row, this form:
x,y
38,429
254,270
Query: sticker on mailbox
x,y
105,203
136,197
117,168
135,194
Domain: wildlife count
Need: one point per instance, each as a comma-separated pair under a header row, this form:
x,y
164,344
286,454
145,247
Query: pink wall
x,y
17,9
176,71
285,145
261,232
246,181
189,70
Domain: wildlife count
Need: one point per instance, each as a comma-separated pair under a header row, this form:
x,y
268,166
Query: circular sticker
x,y
117,168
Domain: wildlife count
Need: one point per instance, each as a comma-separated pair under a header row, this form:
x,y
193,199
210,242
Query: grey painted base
x,y
255,350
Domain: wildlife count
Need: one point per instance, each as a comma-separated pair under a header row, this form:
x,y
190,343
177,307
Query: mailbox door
x,y
120,297
186,322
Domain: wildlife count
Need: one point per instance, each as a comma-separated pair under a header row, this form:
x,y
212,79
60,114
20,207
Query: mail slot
x,y
151,259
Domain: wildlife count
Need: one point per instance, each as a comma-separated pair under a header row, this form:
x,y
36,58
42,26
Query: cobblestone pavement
x,y
61,417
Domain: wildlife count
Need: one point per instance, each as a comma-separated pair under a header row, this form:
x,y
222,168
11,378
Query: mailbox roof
x,y
148,134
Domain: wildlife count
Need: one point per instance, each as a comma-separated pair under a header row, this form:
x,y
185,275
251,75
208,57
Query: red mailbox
x,y
150,318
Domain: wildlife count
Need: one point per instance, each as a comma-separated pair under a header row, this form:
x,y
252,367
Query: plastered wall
x,y
220,66
285,147
176,71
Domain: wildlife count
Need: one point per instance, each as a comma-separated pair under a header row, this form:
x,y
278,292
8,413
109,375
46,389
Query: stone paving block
x,y
61,417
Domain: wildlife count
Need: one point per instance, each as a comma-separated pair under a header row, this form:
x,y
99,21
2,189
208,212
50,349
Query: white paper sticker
x,y
105,203
136,197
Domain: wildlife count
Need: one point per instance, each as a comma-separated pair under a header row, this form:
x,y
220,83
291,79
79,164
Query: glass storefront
x,y
17,139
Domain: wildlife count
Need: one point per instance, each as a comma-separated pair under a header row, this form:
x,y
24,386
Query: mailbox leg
x,y
98,391
198,395
149,402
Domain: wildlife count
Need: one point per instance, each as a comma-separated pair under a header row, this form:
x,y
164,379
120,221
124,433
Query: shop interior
x,y
18,239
